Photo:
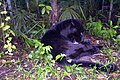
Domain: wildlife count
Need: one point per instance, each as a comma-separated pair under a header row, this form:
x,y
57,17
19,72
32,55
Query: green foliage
x,y
47,70
78,9
40,51
106,31
27,40
28,27
112,57
29,24
7,32
69,13
60,56
1,53
22,21
98,29
45,8
117,40
70,10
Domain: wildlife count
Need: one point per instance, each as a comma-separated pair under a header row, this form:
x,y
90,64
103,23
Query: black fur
x,y
66,37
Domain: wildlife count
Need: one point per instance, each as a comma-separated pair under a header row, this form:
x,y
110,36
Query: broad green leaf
x,y
48,8
13,46
43,10
58,57
65,73
9,49
10,38
41,5
2,25
6,28
7,18
12,32
8,42
48,48
3,12
67,68
7,35
48,11
5,46
116,27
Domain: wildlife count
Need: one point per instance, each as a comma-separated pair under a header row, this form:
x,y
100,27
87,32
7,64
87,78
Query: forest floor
x,y
14,66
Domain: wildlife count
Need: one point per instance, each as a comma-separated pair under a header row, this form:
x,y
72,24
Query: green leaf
x,y
10,38
111,24
9,44
30,56
43,10
0,3
99,25
2,25
5,46
65,73
116,27
48,8
118,36
48,48
41,5
7,18
13,47
9,49
48,11
58,57
7,35
12,32
68,68
3,12
6,28
1,53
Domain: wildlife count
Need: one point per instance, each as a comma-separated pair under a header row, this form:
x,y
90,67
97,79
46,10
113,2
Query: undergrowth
x,y
45,68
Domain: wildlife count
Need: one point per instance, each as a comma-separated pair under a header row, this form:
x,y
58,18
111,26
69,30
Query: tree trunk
x,y
110,12
54,12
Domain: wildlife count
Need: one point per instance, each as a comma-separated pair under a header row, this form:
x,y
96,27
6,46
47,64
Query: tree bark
x,y
110,12
54,12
